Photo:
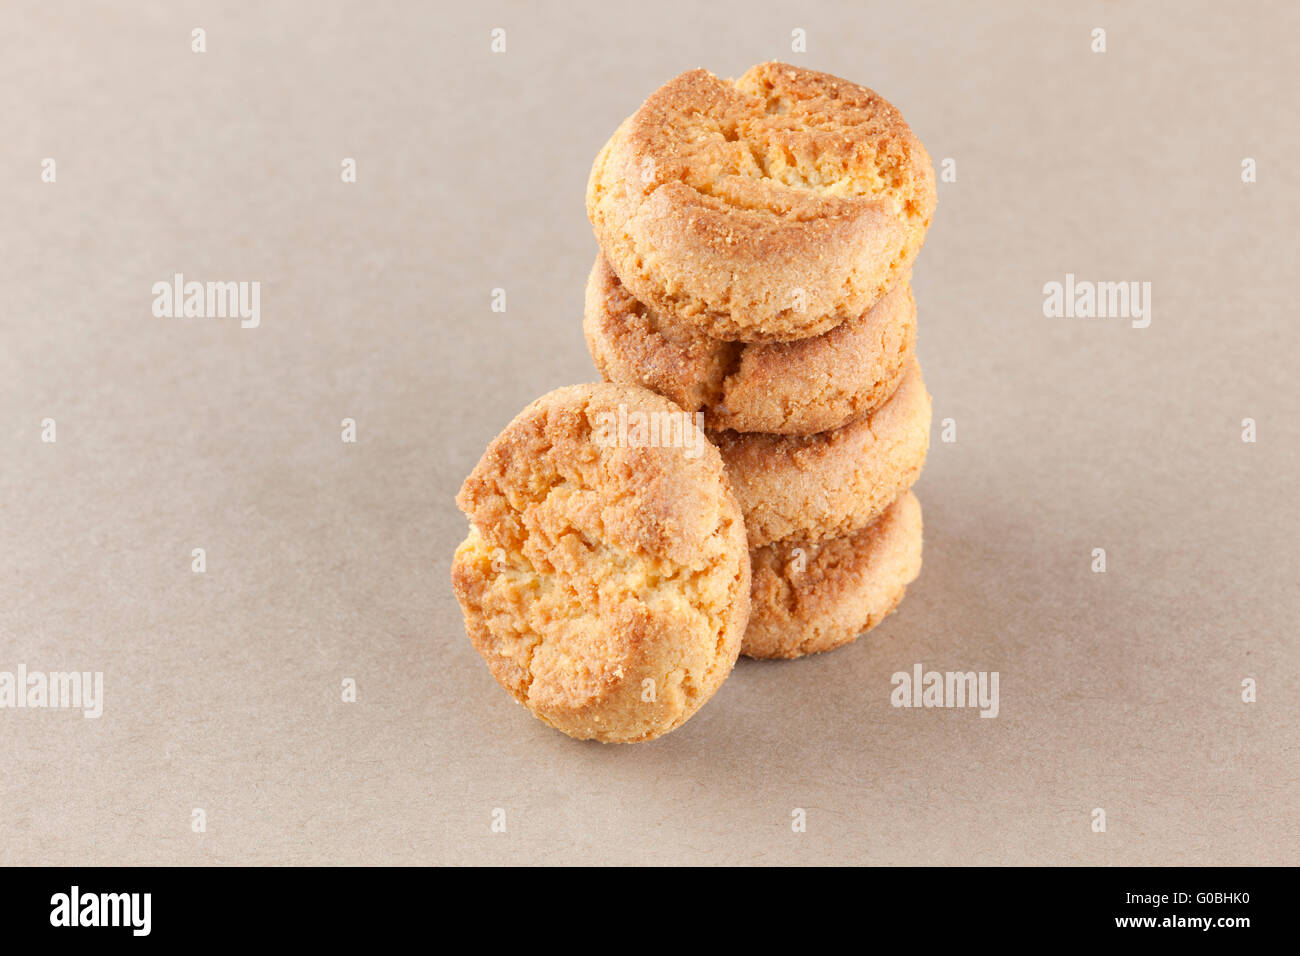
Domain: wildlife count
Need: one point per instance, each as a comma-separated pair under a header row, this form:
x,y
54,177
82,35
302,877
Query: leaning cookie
x,y
811,596
835,482
766,209
605,578
787,388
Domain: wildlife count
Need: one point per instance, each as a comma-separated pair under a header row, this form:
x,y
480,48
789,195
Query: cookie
x,y
813,596
832,483
605,578
769,208
789,388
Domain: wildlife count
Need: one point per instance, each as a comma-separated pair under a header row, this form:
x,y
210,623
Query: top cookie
x,y
766,209
605,578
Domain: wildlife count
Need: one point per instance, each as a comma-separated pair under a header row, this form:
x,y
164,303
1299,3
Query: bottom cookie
x,y
814,596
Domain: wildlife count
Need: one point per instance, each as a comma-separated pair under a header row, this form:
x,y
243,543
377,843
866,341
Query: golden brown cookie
x,y
812,596
832,483
788,388
604,580
766,209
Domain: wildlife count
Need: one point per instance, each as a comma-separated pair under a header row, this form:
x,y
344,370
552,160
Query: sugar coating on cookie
x,y
813,596
768,208
834,482
787,388
605,578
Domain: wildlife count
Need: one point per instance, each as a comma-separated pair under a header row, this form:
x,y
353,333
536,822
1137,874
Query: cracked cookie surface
x,y
835,482
789,388
813,596
769,208
604,581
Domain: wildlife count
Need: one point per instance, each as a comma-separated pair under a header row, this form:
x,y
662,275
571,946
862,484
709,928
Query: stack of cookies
x,y
756,241
757,238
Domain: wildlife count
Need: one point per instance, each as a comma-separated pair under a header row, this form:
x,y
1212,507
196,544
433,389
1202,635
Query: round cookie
x,y
605,578
766,209
789,388
835,482
812,596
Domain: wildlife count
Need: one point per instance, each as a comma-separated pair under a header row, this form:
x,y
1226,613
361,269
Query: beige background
x,y
327,560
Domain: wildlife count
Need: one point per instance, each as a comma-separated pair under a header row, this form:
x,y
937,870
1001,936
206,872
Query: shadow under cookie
x,y
813,596
788,388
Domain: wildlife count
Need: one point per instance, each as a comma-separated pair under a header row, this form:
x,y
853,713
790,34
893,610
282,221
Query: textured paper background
x,y
327,560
